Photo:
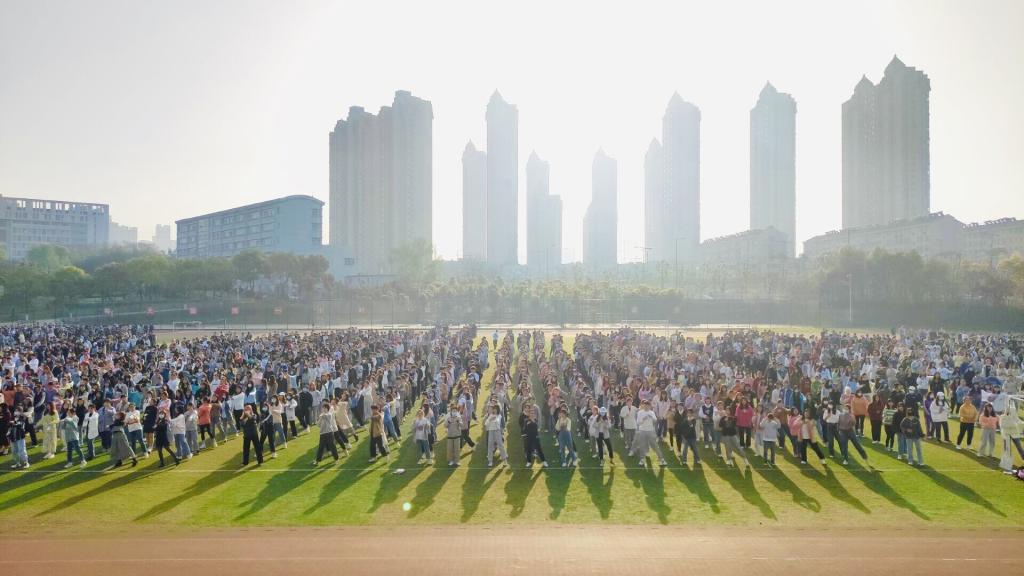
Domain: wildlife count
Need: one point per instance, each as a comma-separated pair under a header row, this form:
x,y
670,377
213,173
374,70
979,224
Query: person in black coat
x,y
161,441
305,408
250,435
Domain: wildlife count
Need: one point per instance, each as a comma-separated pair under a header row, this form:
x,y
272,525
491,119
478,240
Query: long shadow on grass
x,y
600,492
477,482
280,484
392,483
518,488
200,487
778,479
697,483
960,489
107,483
351,471
653,487
427,490
875,481
831,484
743,482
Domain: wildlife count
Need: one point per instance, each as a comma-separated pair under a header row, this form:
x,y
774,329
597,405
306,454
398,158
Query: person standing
x,y
328,426
18,433
940,417
48,424
769,436
989,421
421,434
968,417
728,428
249,425
628,416
688,434
563,431
133,425
161,441
495,436
378,435
646,435
531,441
808,431
603,436
120,450
847,427
266,420
69,428
890,428
910,427
875,410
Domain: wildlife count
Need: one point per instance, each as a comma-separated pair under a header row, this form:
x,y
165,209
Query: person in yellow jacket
x,y
48,425
968,418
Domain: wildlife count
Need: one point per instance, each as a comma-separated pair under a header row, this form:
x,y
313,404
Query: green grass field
x,y
956,489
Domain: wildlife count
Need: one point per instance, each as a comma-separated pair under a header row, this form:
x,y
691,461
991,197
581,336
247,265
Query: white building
x,y
751,247
27,222
672,202
935,235
162,238
773,164
543,217
886,164
122,235
600,224
381,181
474,203
502,182
290,224
993,240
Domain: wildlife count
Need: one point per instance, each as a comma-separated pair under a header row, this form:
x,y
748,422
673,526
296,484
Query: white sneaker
x,y
846,462
273,454
544,464
68,465
83,464
957,446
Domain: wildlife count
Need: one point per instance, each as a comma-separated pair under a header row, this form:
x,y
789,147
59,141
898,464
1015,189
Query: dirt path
x,y
535,550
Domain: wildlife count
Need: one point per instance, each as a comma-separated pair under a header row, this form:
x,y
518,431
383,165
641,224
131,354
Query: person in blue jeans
x,y
563,426
912,433
69,427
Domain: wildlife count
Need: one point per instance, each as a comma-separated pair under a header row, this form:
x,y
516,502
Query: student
x,y
495,436
328,426
728,429
266,426
890,428
940,417
875,411
91,431
989,421
205,424
177,428
563,431
603,436
48,424
18,432
846,427
378,435
531,441
453,428
968,417
133,425
770,432
119,447
628,416
688,435
161,441
808,431
646,437
910,427
249,425
421,427
191,429
344,422
68,427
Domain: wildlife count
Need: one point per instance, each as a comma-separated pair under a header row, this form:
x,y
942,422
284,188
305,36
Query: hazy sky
x,y
166,110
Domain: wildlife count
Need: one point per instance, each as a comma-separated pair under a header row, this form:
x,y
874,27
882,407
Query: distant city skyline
x,y
99,105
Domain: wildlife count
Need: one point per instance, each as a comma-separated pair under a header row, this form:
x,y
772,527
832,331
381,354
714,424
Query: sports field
x,y
955,489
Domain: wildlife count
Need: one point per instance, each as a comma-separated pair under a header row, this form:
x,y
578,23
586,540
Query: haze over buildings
x,y
502,182
672,218
543,217
773,164
474,203
601,222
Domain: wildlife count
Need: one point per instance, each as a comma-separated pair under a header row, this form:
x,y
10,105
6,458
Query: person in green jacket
x,y
69,428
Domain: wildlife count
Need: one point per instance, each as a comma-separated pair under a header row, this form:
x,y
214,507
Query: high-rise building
x,y
673,228
654,190
600,224
27,222
121,235
474,203
773,164
162,238
886,165
381,181
290,224
502,182
543,217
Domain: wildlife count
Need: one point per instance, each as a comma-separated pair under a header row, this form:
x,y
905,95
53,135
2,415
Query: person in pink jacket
x,y
744,421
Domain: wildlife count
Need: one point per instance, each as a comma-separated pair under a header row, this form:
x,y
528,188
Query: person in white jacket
x,y
90,431
495,436
646,434
628,417
939,412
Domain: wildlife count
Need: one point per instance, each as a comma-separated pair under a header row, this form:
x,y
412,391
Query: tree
x,y
48,257
68,284
415,264
249,265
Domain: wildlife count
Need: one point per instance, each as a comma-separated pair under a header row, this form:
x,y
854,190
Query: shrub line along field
x,y
955,489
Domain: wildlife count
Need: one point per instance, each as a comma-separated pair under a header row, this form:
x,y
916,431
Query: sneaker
x,y
957,446
26,466
68,465
490,464
803,461
83,464
373,459
273,455
316,462
823,462
601,462
663,463
544,464
846,462
529,464
641,463
421,460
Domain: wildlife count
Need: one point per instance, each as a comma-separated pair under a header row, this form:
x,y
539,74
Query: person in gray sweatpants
x,y
495,436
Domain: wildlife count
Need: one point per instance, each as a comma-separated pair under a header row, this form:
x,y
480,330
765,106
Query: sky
x,y
166,110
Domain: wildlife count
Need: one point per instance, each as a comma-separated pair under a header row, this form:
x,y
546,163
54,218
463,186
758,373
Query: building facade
x,y
474,203
600,223
502,182
886,162
162,238
752,247
672,211
993,240
290,224
122,235
28,222
934,235
381,181
543,217
773,164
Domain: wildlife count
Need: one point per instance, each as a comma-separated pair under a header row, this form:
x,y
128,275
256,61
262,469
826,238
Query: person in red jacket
x,y
744,421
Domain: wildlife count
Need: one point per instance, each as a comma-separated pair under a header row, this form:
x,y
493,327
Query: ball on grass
x,y
406,507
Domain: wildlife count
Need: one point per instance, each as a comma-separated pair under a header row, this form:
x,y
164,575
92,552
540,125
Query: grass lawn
x,y
955,490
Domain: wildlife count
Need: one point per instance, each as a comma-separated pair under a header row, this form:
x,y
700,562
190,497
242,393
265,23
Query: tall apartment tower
x,y
600,223
381,181
474,203
886,159
502,181
543,217
674,226
654,191
773,164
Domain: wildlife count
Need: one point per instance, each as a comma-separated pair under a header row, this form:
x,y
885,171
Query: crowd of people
x,y
82,391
